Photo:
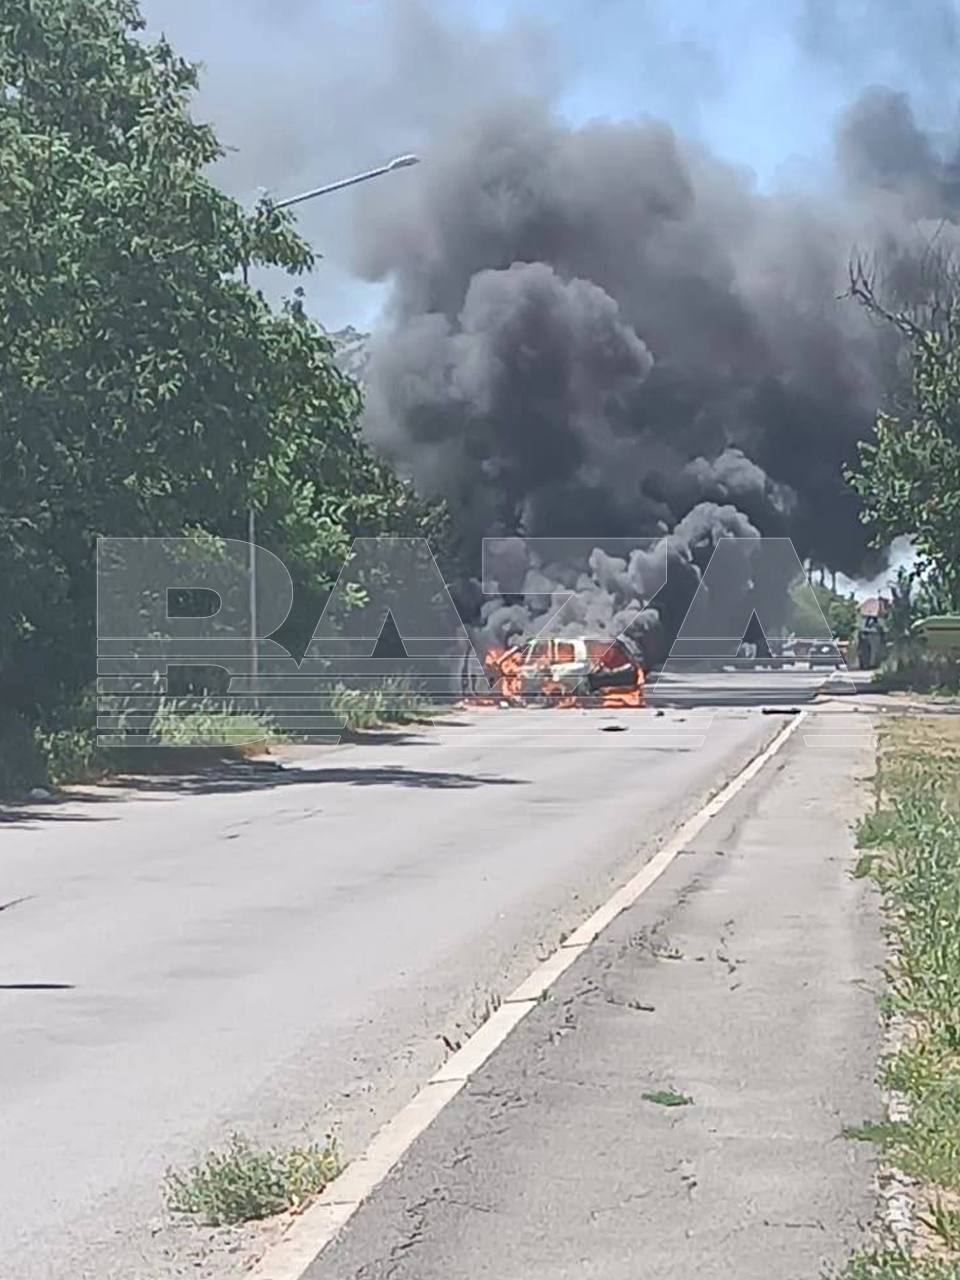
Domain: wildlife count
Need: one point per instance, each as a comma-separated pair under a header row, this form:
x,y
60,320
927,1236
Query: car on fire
x,y
569,670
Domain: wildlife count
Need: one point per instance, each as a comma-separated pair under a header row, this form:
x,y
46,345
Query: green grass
x,y
910,845
72,755
32,757
55,757
892,1265
919,673
245,1183
391,702
944,1221
43,758
197,724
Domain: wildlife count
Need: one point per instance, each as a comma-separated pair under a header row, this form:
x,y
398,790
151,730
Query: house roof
x,y
873,607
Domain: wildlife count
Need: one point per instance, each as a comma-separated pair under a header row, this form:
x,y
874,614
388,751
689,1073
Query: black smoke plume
x,y
598,330
606,332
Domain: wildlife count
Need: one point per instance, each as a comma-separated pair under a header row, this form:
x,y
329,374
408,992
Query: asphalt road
x,y
277,951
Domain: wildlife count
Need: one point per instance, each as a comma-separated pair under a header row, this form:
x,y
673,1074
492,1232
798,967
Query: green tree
x,y
909,473
839,611
146,389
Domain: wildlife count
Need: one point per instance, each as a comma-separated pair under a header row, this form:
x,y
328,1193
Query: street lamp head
x,y
400,162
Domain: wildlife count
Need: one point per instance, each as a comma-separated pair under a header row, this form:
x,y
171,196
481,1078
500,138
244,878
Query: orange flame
x,y
503,667
503,672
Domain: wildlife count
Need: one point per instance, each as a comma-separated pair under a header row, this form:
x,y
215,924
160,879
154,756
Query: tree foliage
x,y
909,474
839,611
146,389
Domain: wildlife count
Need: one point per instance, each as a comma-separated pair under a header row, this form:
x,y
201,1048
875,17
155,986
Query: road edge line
x,y
303,1242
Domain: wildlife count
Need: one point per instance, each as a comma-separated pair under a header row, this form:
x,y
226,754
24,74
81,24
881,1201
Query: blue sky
x,y
761,83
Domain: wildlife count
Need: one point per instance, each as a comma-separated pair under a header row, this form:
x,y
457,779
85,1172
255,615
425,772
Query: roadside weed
x,y
244,1183
667,1098
944,1219
183,723
894,1265
391,701
864,866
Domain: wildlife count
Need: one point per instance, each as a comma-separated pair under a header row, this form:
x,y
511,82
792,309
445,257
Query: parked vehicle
x,y
825,653
754,654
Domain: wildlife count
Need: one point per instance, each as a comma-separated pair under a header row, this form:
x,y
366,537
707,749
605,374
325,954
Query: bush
x,y
245,1183
196,723
54,757
72,755
921,673
22,764
45,757
391,702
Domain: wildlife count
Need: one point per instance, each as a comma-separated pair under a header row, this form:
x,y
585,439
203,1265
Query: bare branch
x,y
917,293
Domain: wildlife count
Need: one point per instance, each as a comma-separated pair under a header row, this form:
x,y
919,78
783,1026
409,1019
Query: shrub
x,y
245,1183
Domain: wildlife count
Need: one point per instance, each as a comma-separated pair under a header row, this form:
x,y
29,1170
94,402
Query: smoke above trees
x,y
606,330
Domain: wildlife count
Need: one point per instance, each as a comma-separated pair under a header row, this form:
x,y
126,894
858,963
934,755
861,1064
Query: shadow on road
x,y
27,814
225,778
256,776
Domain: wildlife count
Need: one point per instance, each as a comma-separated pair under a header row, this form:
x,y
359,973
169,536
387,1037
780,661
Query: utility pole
x,y
254,655
399,162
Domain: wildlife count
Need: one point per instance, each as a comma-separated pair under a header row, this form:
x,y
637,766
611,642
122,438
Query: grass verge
x,y
919,673
31,757
52,757
899,1266
245,1183
180,724
391,702
910,845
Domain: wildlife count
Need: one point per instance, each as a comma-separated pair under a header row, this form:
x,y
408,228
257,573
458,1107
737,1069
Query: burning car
x,y
568,671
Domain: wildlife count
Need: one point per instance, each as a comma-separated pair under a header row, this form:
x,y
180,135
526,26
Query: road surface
x,y
280,951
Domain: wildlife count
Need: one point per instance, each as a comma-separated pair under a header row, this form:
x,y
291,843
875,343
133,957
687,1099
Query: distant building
x,y
874,607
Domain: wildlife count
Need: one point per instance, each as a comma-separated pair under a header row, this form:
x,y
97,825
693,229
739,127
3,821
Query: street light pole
x,y
398,162
254,639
